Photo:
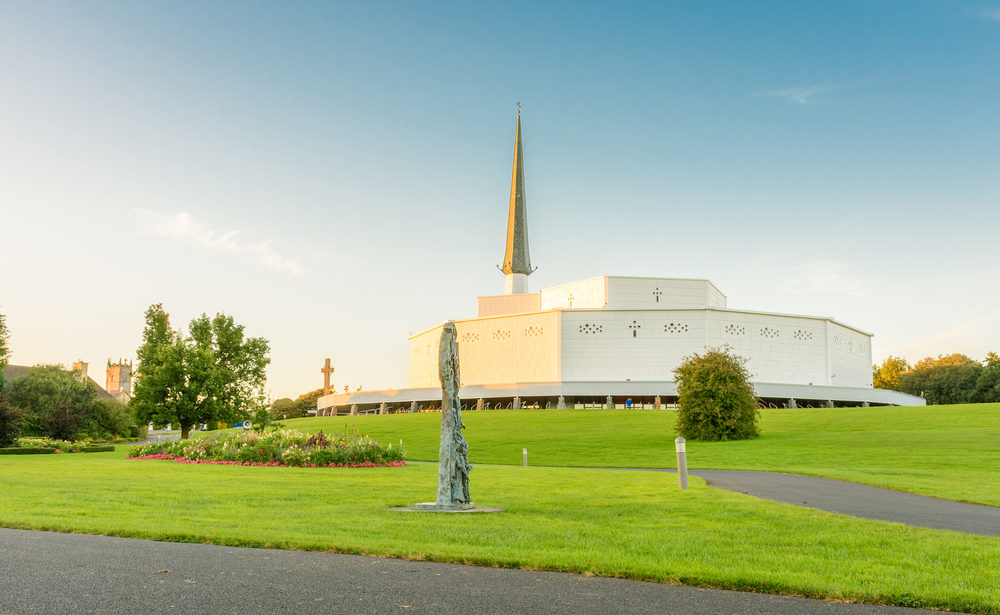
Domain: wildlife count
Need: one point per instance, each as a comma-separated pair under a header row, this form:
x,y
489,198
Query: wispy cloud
x,y
991,14
805,94
184,228
822,277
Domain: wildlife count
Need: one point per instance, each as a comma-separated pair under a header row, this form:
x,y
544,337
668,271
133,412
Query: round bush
x,y
715,398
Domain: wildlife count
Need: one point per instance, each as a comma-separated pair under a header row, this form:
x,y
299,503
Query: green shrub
x,y
715,398
26,451
100,448
139,432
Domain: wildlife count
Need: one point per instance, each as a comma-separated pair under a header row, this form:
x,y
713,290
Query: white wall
x,y
500,350
649,344
590,293
501,305
658,293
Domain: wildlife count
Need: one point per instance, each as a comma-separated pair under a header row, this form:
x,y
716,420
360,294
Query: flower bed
x,y
280,448
28,445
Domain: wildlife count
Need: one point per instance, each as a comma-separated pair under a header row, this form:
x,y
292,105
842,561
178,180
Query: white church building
x,y
614,341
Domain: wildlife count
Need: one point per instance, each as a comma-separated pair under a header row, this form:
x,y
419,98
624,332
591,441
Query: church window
x,y
768,332
657,293
735,330
634,327
533,331
802,335
588,328
501,334
470,337
675,327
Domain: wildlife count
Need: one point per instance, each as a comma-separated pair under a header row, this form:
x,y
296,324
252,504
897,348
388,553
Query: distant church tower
x,y
119,378
516,261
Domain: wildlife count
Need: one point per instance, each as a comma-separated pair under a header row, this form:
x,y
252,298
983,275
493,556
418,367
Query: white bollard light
x,y
682,465
524,453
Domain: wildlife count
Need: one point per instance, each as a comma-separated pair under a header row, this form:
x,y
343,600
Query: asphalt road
x,y
42,572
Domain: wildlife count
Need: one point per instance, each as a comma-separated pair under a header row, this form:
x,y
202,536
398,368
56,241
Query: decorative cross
x,y
327,370
657,293
570,299
635,327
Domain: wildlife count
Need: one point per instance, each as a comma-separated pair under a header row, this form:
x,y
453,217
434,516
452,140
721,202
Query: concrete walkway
x,y
43,573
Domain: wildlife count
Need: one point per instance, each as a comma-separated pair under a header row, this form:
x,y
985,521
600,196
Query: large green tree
x,y
887,375
212,373
715,398
57,402
951,379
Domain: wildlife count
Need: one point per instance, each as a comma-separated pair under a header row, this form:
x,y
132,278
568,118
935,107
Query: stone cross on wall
x,y
635,327
657,293
327,370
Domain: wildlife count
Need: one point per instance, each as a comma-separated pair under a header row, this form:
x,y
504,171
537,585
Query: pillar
x,y
517,403
656,403
610,404
792,404
561,405
382,409
354,410
864,405
480,404
829,403
413,407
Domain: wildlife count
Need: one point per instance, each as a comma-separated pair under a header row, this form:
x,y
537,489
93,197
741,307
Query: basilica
x,y
614,341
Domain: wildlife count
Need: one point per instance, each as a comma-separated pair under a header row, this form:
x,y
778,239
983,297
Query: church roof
x,y
516,258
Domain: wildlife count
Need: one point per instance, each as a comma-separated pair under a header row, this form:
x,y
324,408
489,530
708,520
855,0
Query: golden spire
x,y
516,258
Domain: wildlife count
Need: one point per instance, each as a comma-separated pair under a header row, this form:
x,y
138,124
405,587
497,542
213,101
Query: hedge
x,y
27,451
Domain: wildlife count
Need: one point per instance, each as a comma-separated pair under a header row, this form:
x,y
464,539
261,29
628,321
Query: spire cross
x,y
327,370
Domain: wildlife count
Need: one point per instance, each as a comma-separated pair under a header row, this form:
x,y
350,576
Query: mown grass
x,y
950,452
630,524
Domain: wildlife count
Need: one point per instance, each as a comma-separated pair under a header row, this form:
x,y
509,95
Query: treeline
x,y
288,408
951,379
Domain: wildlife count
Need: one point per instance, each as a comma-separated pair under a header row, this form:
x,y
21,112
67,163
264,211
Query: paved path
x,y
852,499
859,500
67,574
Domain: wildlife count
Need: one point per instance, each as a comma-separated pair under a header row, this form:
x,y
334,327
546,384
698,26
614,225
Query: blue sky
x,y
336,175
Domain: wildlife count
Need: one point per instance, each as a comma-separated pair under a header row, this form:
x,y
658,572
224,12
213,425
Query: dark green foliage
x,y
952,379
112,417
43,390
98,448
139,433
715,398
285,408
211,374
988,383
63,423
27,451
11,421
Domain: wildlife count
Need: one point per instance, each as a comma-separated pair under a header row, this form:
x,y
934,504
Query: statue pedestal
x,y
447,507
431,507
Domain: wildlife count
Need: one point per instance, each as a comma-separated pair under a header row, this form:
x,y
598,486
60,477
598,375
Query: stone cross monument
x,y
327,370
453,458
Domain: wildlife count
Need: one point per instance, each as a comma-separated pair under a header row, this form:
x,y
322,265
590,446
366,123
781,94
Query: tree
x,y
214,373
715,398
50,394
991,359
284,408
951,379
887,375
4,347
11,421
306,402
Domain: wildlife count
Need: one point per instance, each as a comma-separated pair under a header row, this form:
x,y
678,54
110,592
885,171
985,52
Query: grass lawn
x,y
632,524
950,452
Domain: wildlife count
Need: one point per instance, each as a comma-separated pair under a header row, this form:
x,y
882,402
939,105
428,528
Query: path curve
x,y
43,572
